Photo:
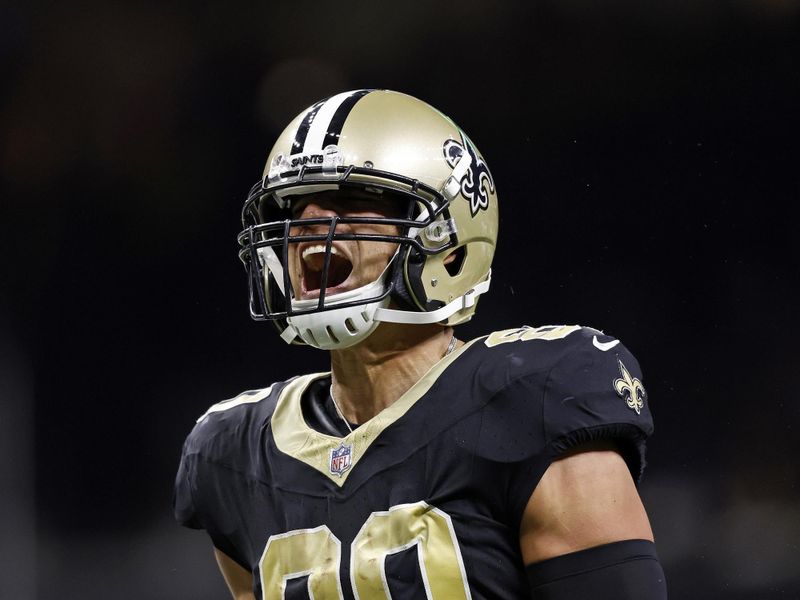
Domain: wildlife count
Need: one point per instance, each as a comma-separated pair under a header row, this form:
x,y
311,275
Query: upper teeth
x,y
318,248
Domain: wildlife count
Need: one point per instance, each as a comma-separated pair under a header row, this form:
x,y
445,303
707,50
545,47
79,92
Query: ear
x,y
454,260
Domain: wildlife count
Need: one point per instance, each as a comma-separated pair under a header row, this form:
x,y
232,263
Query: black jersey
x,y
424,499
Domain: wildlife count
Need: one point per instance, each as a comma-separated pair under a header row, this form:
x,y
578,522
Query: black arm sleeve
x,y
627,570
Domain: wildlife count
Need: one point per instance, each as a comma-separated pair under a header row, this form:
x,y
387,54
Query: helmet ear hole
x,y
454,261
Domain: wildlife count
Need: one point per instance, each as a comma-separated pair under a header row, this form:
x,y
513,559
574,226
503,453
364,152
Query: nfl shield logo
x,y
341,459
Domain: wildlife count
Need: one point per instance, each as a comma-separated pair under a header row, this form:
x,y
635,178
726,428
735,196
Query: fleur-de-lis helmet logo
x,y
477,183
630,389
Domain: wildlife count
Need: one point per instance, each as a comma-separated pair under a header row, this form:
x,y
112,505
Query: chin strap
x,y
440,314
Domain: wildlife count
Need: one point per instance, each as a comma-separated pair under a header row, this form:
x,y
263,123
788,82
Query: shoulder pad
x,y
585,385
247,397
533,349
242,413
527,333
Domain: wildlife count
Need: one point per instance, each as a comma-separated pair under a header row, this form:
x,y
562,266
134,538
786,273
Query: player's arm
x,y
585,533
239,579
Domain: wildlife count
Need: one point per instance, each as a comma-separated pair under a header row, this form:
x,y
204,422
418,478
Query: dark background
x,y
645,156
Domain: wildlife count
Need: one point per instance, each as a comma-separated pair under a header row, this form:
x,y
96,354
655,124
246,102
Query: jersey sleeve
x,y
199,497
183,497
595,391
214,470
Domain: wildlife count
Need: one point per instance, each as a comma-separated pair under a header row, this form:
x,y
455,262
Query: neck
x,y
373,374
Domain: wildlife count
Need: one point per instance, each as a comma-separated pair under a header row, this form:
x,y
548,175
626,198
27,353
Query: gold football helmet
x,y
394,148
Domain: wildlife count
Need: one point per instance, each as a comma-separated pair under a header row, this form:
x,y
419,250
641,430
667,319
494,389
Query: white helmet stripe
x,y
302,129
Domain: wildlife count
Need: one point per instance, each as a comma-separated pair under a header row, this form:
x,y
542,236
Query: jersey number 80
x,y
317,553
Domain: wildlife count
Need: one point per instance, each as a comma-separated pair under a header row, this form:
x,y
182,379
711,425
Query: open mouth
x,y
313,262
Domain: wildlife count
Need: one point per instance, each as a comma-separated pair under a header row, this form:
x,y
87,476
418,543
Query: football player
x,y
420,466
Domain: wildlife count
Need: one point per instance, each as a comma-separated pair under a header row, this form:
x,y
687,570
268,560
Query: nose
x,y
314,210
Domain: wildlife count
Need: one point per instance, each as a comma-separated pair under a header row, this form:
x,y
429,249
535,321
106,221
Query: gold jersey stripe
x,y
294,437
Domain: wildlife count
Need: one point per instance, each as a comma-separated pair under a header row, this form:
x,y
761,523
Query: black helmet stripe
x,y
337,122
324,121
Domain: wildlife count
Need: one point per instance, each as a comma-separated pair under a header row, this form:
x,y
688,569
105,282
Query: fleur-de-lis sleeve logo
x,y
630,389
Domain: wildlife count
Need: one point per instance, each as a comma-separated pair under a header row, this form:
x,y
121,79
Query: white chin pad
x,y
337,327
